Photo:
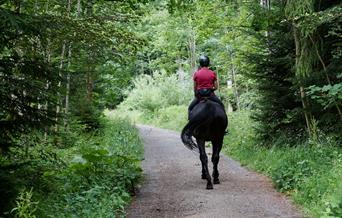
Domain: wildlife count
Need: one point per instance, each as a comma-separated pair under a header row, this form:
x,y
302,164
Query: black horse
x,y
208,122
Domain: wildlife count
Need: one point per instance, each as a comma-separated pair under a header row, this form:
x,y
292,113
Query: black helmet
x,y
204,61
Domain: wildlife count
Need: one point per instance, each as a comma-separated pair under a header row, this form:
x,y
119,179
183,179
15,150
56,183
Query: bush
x,y
310,172
25,207
151,93
174,117
92,178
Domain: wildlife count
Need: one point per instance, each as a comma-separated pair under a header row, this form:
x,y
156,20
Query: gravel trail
x,y
173,186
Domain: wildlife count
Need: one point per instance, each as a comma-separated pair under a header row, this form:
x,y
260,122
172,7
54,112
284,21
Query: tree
x,y
46,46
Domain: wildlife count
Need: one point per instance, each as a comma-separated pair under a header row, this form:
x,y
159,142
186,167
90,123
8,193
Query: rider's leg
x,y
192,105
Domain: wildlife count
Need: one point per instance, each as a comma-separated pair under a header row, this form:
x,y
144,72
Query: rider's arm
x,y
215,85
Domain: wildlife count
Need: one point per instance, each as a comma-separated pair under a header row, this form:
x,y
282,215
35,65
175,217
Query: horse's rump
x,y
208,121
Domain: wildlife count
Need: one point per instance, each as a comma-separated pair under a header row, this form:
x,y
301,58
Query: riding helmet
x,y
204,61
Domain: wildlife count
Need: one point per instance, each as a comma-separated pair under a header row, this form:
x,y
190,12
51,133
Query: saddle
x,y
204,94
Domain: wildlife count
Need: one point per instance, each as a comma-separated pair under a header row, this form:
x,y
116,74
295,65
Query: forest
x,y
76,75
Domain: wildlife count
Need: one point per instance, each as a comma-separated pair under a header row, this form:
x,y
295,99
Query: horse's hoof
x,y
210,186
203,177
216,181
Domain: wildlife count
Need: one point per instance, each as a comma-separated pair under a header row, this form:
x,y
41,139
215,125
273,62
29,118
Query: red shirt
x,y
204,78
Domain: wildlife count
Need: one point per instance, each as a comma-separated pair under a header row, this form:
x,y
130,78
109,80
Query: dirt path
x,y
173,187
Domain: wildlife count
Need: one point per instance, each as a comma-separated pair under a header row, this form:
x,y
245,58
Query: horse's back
x,y
214,120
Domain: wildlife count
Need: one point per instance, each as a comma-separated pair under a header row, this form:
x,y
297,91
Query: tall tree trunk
x,y
36,7
48,60
58,108
67,94
46,6
90,84
78,8
301,88
90,79
192,50
266,4
69,8
235,91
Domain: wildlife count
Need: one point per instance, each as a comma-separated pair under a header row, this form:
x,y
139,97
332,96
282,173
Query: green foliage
x,y
159,99
297,55
52,60
25,207
26,102
309,172
151,93
327,96
172,117
333,207
93,177
102,172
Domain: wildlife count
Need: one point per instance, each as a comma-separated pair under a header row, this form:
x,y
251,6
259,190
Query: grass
x,y
92,177
172,117
310,173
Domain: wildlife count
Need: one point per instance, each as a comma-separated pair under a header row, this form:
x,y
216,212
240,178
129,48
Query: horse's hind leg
x,y
217,145
204,161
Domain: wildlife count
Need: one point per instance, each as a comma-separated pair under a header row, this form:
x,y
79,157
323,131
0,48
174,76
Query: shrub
x,y
25,207
173,117
150,93
310,172
92,177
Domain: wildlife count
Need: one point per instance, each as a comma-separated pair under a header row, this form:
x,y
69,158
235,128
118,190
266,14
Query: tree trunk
x,y
266,4
90,84
59,85
90,80
46,106
301,88
47,6
67,94
78,8
192,50
69,7
235,91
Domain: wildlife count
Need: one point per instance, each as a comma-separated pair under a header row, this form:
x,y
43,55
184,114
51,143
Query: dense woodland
x,y
63,62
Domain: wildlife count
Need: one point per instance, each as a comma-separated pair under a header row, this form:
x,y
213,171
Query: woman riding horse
x,y
205,83
207,121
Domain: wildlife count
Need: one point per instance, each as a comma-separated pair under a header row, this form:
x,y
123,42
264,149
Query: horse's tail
x,y
188,129
186,136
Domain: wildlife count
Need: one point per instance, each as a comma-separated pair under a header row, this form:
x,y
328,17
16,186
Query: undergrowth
x,y
159,99
310,172
92,177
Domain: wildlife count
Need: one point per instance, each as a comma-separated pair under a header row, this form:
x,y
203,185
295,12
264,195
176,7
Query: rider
x,y
205,83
